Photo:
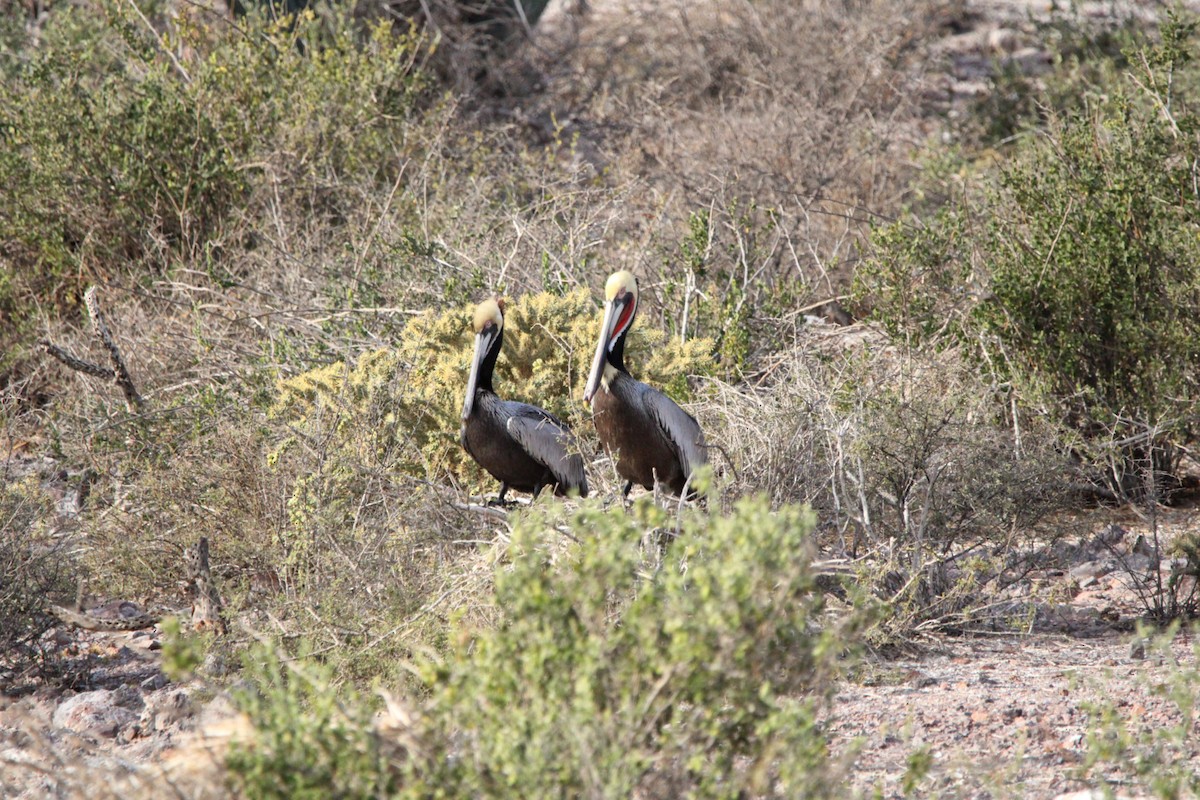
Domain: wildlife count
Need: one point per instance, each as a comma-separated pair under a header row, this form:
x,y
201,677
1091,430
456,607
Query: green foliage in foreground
x,y
612,669
401,408
1077,275
308,742
606,676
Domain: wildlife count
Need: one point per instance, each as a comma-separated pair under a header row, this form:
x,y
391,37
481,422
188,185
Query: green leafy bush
x,y
308,740
611,668
125,153
106,161
1075,275
605,676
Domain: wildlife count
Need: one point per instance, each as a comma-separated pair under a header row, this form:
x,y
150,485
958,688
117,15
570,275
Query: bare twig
x,y
78,364
118,373
206,605
133,401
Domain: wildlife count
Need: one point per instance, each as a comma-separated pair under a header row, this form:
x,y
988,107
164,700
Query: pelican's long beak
x,y
483,343
612,312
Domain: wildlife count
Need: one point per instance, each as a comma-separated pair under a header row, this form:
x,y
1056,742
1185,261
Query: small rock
x,y
145,640
1108,537
154,682
166,708
97,713
1143,547
215,666
921,680
1091,569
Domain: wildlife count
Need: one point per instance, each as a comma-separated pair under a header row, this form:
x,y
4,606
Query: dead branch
x,y
78,364
118,373
133,400
91,622
206,603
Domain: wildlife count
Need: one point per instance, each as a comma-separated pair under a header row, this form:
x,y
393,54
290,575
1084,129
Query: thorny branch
x,y
118,373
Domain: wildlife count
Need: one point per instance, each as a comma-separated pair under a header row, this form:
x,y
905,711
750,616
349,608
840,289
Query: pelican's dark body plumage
x,y
524,447
652,439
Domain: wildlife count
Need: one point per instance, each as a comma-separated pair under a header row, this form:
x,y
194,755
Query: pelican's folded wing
x,y
680,428
548,441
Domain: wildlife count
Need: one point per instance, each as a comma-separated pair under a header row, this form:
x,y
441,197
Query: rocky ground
x,y
1010,714
123,729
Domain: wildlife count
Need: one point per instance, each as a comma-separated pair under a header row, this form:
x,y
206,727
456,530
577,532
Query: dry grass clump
x,y
35,566
914,463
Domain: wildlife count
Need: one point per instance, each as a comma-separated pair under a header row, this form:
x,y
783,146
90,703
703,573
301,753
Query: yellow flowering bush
x,y
400,408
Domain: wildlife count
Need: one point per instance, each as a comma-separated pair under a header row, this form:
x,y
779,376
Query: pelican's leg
x,y
503,491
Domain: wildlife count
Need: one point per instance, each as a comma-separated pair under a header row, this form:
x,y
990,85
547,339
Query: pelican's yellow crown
x,y
618,281
490,310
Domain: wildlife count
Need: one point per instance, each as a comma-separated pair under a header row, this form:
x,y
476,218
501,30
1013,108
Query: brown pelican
x,y
522,446
652,438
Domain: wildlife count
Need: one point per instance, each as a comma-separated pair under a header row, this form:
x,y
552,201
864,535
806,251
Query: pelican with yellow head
x,y
652,439
524,447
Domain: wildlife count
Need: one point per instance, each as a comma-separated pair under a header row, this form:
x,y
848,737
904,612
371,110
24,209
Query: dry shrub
x,y
168,493
796,118
340,551
912,460
35,567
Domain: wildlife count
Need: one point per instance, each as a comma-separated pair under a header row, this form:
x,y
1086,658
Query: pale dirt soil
x,y
1007,714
